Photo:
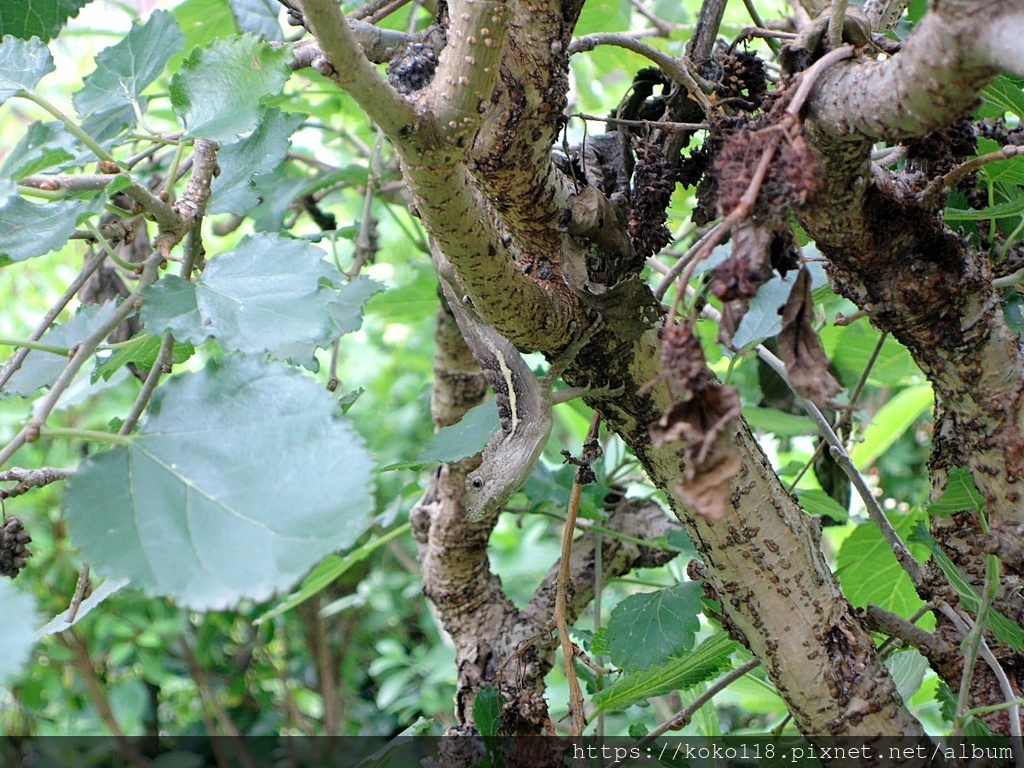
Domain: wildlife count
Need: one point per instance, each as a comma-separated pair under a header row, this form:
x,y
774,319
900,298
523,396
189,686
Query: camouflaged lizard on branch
x,y
524,406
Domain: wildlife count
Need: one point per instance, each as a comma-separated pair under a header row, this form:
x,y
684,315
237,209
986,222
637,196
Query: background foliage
x,y
249,471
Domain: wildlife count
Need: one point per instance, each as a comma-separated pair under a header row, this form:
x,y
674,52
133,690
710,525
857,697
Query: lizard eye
x,y
476,483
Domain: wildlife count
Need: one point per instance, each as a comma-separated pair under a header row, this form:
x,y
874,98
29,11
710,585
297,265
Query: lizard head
x,y
485,495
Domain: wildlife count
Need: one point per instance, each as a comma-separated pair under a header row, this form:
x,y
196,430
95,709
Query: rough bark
x,y
475,147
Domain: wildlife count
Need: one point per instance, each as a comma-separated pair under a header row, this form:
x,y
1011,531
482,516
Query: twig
x,y
665,125
18,357
676,69
27,479
683,717
1010,280
83,352
673,272
836,22
81,586
84,664
963,170
576,706
663,27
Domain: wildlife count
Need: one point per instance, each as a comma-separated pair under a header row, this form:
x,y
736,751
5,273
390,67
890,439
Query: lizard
x,y
524,406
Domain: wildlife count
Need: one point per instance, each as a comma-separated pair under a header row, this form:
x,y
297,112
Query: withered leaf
x,y
800,348
698,421
706,488
749,266
682,359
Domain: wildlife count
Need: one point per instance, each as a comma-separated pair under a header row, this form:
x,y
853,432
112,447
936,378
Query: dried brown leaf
x,y
698,421
682,360
749,267
706,488
800,348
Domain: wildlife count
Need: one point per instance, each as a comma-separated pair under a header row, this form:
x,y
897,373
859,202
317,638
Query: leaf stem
x,y
105,245
92,435
36,345
72,126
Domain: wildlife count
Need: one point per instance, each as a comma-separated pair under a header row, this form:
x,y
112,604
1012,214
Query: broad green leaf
x,y
142,351
817,502
777,422
43,146
203,22
35,229
850,348
868,570
648,629
892,420
242,477
258,17
1010,170
603,16
23,63
466,438
330,569
17,631
125,69
707,660
219,89
60,622
487,712
39,18
907,669
1005,94
41,369
234,190
763,320
170,304
270,294
960,494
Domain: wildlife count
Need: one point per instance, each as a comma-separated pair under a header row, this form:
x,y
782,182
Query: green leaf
x,y
17,635
60,622
258,17
816,502
487,712
960,494
763,319
466,438
270,294
38,18
142,351
868,570
243,476
705,662
125,69
1013,207
43,146
603,16
330,569
892,420
23,63
170,304
218,90
850,348
908,669
777,422
1005,94
1006,631
648,629
234,190
35,229
41,369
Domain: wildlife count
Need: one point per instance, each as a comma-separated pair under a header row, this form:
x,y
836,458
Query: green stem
x,y
84,434
107,249
71,124
36,345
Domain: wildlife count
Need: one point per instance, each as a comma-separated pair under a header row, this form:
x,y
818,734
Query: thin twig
x,y
836,22
664,125
963,170
27,479
81,586
12,365
576,706
676,69
663,27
